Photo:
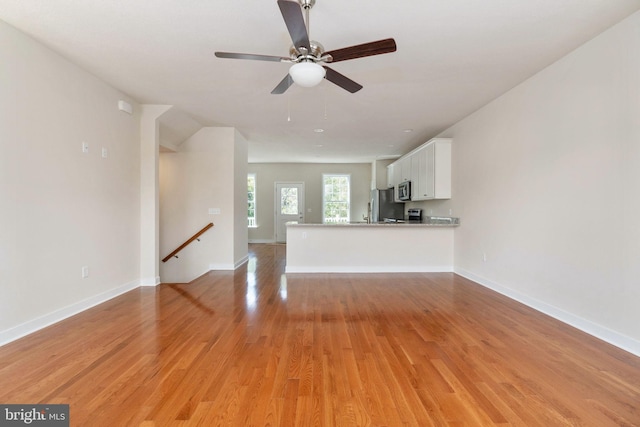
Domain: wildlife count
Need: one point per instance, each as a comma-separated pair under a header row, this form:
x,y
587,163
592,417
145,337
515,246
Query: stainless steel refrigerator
x,y
383,206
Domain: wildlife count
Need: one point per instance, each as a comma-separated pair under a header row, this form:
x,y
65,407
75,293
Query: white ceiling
x,y
453,57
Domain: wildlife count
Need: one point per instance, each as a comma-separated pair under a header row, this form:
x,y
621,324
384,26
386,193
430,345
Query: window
x,y
336,198
289,201
251,198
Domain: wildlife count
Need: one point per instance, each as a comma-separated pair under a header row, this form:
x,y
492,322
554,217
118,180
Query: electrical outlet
x,y
484,256
85,271
105,152
214,211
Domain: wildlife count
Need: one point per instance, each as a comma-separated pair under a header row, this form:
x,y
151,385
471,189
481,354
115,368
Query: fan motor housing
x,y
316,52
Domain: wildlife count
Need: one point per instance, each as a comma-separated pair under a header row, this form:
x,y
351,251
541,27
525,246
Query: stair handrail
x,y
185,244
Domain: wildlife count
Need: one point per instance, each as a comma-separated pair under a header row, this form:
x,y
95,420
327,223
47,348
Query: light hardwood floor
x,y
256,347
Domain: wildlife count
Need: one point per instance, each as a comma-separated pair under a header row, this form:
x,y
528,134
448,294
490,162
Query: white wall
x,y
240,168
547,183
61,209
311,174
149,193
198,177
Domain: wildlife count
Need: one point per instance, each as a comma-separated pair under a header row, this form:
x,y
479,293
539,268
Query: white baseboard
x,y
242,260
612,337
369,269
262,240
150,281
42,322
229,266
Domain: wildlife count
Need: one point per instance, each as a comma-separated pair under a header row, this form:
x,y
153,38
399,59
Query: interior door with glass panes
x,y
289,207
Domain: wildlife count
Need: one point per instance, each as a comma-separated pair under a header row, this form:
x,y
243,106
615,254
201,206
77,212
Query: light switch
x,y
85,147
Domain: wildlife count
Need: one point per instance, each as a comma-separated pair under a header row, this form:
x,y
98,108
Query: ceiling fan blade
x,y
292,14
362,50
232,55
344,82
283,85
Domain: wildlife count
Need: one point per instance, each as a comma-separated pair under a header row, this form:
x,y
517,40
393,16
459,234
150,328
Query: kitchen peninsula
x,y
371,248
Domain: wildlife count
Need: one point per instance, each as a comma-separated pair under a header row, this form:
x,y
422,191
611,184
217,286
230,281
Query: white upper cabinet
x,y
405,169
391,182
400,171
428,167
433,179
422,179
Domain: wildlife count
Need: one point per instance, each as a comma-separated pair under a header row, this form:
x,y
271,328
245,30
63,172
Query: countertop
x,y
425,222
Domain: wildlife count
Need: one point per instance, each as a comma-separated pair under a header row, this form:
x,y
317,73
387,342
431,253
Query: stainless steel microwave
x,y
404,191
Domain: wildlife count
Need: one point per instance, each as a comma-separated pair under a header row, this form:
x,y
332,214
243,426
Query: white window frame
x,y
348,201
252,222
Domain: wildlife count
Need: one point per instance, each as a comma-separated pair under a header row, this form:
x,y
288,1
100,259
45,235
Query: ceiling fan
x,y
308,55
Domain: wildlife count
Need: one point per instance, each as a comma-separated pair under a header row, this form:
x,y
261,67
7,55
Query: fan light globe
x,y
307,74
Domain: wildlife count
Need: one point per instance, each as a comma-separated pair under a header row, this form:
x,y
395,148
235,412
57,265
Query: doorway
x,y
289,207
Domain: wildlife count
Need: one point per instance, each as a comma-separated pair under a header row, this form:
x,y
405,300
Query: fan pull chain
x,y
288,107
